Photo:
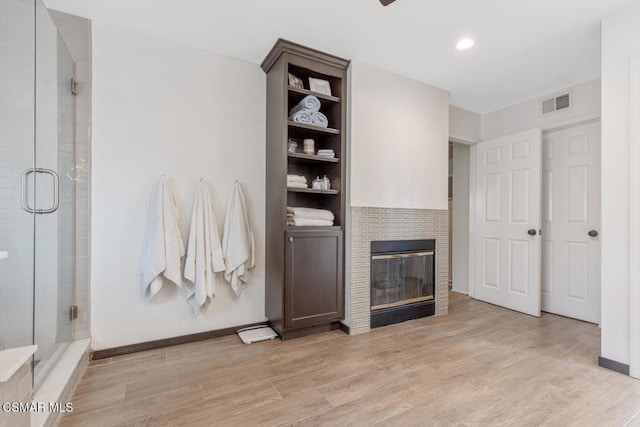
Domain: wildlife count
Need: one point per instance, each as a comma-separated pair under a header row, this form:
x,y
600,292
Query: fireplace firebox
x,y
402,280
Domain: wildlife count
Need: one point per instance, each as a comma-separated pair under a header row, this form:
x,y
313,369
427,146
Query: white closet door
x,y
571,210
506,249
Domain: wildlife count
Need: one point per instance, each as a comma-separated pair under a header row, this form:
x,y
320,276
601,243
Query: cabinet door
x,y
314,278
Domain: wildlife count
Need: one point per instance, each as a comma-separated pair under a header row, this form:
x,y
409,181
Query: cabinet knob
x,y
291,239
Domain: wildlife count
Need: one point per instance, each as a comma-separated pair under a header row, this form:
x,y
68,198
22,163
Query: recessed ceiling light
x,y
465,44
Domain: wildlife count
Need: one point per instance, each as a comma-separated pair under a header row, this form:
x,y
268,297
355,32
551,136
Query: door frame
x,y
468,141
634,219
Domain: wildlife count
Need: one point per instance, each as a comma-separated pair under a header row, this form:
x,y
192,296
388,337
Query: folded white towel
x,y
163,245
301,116
299,222
296,178
326,150
296,185
310,213
309,103
238,244
326,153
204,253
319,119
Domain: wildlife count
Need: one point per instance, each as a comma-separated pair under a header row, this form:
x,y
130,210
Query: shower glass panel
x,y
37,184
17,138
54,185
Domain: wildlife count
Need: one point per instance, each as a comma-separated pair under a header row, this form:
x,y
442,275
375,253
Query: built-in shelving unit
x,y
304,265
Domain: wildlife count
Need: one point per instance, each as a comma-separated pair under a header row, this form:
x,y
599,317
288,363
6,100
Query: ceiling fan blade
x,y
386,2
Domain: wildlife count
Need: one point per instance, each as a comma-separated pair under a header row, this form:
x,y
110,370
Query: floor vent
x,y
557,103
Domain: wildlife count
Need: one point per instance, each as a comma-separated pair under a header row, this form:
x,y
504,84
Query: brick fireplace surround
x,y
369,224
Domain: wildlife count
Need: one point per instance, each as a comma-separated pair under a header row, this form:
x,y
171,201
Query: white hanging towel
x,y
238,245
163,246
204,253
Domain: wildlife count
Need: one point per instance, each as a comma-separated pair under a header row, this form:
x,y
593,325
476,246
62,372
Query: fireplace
x,y
402,280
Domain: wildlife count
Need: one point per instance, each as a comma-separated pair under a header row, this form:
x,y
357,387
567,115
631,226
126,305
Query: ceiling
x,y
524,48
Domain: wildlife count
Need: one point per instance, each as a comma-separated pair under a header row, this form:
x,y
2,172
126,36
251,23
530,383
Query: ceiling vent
x,y
557,103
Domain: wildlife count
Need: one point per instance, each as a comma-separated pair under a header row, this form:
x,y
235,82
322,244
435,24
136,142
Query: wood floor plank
x,y
368,410
479,365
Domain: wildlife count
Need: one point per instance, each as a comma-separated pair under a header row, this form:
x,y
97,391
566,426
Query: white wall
x,y
464,125
399,134
163,108
526,115
620,43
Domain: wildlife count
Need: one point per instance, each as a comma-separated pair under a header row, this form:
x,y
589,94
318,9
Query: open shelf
x,y
311,191
310,130
298,94
301,157
313,228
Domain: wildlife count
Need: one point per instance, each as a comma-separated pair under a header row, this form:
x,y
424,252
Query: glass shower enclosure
x,y
37,184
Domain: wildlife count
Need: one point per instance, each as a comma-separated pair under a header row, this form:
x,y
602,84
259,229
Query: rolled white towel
x,y
301,116
309,103
296,185
310,213
296,178
300,222
319,119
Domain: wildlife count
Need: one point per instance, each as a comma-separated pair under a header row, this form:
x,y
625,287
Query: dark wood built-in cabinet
x,y
304,265
313,282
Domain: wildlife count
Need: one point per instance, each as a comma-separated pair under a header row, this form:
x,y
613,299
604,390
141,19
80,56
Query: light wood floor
x,y
480,365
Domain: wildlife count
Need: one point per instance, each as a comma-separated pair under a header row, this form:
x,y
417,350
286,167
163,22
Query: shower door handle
x,y
56,191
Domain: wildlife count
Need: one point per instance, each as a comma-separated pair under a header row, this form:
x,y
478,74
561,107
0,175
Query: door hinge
x,y
73,312
74,87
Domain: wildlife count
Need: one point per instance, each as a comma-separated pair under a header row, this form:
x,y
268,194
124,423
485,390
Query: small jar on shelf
x,y
317,183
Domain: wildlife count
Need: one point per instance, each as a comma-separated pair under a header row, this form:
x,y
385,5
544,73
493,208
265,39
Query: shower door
x,y
17,151
53,185
37,184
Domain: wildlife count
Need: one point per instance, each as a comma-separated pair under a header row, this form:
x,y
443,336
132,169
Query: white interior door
x,y
570,211
506,248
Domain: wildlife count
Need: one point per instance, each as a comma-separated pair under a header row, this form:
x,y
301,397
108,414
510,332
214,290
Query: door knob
x,y
592,233
532,232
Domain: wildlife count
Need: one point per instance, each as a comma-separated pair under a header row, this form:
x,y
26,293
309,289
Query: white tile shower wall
x,y
368,224
17,389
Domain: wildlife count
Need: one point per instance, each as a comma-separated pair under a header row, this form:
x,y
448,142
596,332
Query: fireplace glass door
x,y
399,279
